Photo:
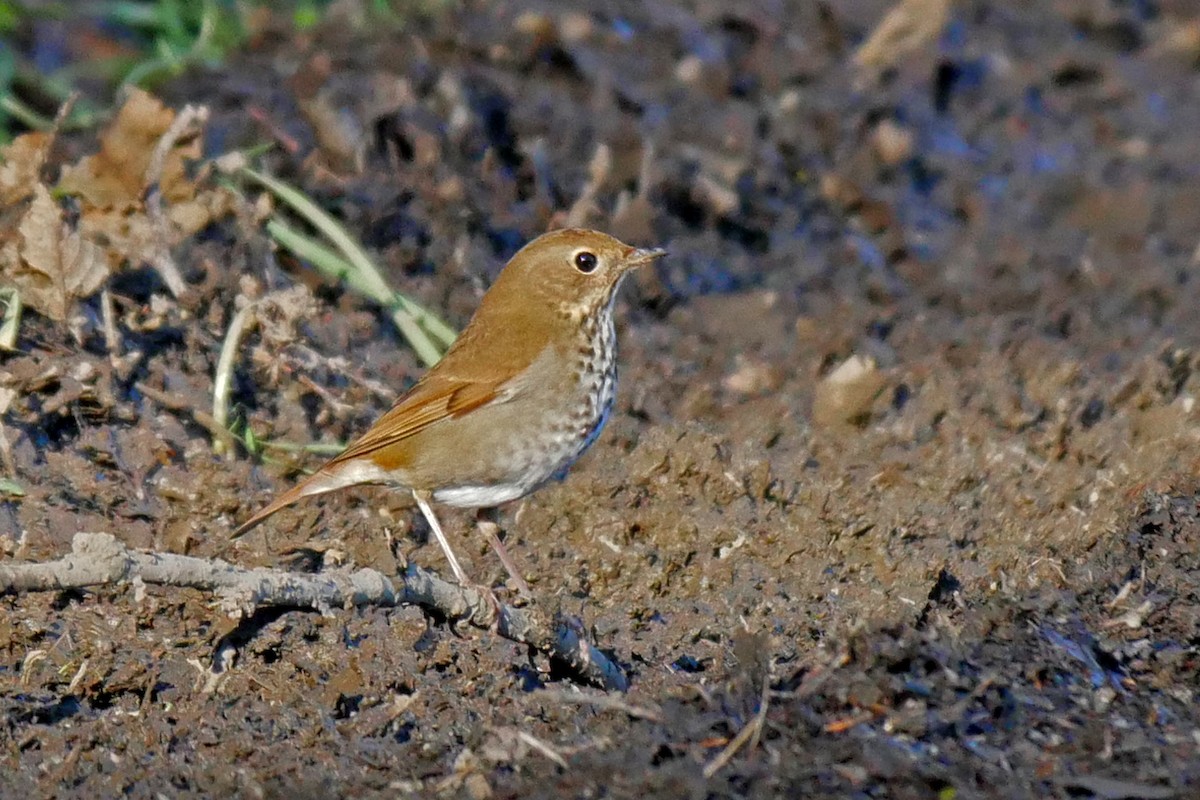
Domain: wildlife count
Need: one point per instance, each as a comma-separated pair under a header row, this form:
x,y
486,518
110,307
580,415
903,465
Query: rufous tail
x,y
317,483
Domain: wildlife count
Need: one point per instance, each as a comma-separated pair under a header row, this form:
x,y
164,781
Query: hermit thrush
x,y
519,396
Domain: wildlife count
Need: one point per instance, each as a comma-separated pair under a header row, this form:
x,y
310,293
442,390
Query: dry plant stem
x,y
112,339
604,701
337,407
304,356
98,559
189,117
749,733
543,748
223,379
60,118
6,456
819,676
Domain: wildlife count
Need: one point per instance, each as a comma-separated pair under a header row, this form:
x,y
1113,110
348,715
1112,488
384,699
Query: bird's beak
x,y
643,255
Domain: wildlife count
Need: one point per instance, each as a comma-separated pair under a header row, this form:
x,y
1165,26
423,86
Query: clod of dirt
x,y
845,395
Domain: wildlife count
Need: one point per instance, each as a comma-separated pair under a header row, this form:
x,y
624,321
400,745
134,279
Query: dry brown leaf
x,y
55,265
130,235
125,235
191,216
20,164
111,186
116,176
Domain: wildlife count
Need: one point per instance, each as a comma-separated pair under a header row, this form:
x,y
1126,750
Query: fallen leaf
x,y
193,215
55,266
115,177
10,326
20,165
111,186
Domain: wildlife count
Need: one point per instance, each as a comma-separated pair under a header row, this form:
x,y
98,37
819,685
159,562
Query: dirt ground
x,y
899,498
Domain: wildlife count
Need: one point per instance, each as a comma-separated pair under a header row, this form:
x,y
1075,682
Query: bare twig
x,y
817,678
60,118
542,747
602,701
189,117
302,355
341,409
749,732
98,559
112,339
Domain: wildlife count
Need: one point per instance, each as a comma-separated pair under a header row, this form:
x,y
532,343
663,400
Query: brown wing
x,y
480,368
427,403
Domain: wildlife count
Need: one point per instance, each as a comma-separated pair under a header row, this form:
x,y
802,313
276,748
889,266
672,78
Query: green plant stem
x,y
428,334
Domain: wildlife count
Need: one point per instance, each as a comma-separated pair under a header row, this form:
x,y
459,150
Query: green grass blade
x,y
336,267
364,276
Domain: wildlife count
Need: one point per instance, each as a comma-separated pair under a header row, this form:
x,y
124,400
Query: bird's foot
x,y
495,608
492,532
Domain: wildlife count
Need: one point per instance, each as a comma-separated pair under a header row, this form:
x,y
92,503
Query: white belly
x,y
480,496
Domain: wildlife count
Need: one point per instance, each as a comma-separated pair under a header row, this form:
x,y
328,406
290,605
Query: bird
x,y
522,392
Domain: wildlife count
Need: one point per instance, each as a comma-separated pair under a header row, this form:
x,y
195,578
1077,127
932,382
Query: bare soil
x,y
969,571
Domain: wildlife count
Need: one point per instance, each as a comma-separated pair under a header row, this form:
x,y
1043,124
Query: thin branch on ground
x,y
98,559
542,747
108,316
301,355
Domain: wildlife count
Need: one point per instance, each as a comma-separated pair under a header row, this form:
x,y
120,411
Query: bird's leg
x,y
460,575
487,525
422,499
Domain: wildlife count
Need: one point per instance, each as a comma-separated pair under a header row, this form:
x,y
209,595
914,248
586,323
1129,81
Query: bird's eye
x,y
586,261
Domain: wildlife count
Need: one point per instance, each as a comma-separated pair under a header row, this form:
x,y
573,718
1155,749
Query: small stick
x,y
602,701
112,338
543,748
749,732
